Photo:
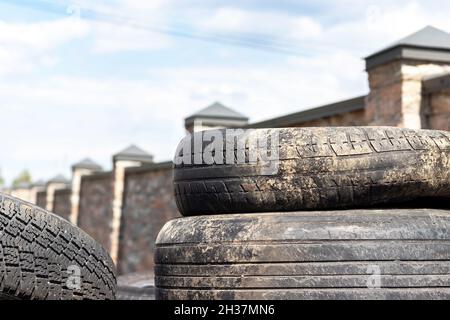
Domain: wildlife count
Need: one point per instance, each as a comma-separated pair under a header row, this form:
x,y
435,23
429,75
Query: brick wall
x,y
41,199
148,204
95,211
383,104
439,110
436,106
395,97
61,203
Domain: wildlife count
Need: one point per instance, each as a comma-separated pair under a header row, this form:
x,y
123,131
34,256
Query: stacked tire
x,y
339,218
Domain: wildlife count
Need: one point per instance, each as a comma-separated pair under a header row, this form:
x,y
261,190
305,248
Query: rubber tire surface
x,y
306,255
41,252
318,168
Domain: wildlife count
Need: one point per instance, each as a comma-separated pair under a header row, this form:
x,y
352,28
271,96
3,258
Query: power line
x,y
259,40
237,39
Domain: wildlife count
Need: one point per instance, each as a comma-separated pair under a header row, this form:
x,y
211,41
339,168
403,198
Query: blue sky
x,y
88,85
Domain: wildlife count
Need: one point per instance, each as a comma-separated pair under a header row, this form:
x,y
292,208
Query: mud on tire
x,y
354,254
318,168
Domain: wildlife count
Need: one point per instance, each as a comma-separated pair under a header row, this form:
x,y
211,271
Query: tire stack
x,y
346,215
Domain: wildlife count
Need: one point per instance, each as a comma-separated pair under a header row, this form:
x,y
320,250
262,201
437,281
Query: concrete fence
x,y
95,206
61,202
148,203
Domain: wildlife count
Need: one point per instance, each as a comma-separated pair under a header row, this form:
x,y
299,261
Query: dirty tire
x,y
306,255
40,252
317,168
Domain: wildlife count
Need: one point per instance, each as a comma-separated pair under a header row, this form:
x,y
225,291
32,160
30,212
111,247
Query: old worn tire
x,y
306,255
318,168
39,251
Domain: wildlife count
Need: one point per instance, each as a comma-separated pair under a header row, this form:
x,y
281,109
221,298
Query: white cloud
x,y
262,23
305,28
116,38
358,27
154,9
127,25
41,36
24,46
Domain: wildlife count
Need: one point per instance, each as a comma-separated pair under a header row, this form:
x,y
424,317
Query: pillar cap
x,y
133,153
217,114
427,44
58,179
38,184
87,163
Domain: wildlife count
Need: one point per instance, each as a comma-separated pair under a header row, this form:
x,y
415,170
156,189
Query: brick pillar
x,y
119,186
215,116
58,182
395,97
436,92
439,108
35,188
130,157
80,169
